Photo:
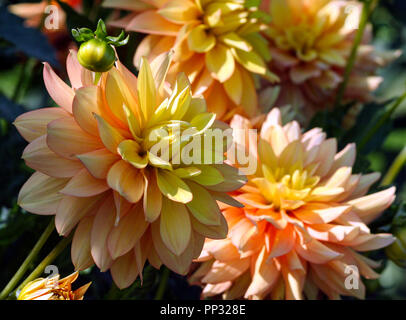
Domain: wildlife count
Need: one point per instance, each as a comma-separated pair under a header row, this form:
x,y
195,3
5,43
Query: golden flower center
x,y
300,39
286,187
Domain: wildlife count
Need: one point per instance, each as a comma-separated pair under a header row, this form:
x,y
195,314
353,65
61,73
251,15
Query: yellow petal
x,y
250,61
152,197
203,206
109,135
173,187
175,226
200,39
220,62
146,89
130,151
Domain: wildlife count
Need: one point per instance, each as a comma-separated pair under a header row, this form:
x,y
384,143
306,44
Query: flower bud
x,y
96,55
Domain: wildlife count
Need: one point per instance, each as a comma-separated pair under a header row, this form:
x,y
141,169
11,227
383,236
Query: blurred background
x,y
26,43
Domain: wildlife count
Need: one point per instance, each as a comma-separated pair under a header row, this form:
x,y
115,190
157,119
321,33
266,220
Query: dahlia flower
x,y
304,223
96,169
216,43
53,288
310,43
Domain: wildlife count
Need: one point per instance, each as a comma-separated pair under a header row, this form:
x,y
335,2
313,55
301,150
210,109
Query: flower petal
x,y
83,184
126,180
59,91
67,139
175,226
39,157
127,233
33,124
40,194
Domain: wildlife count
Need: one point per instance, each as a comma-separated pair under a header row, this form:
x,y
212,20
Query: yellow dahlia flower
x,y
53,288
303,225
96,169
310,43
216,43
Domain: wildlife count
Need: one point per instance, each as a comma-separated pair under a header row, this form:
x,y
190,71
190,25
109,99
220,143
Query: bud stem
x,y
162,284
47,260
25,265
367,9
97,77
395,168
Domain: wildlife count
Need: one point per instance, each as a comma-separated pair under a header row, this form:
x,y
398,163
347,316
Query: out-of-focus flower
x,y
310,43
34,13
304,221
216,43
97,170
53,288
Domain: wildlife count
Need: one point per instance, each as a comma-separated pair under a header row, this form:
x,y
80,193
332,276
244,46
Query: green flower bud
x,y
96,55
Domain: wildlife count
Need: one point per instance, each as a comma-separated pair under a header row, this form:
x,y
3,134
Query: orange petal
x,y
226,271
59,91
80,250
126,180
40,194
71,210
152,23
110,136
39,157
152,200
85,104
124,270
126,234
33,124
67,139
103,223
83,184
264,277
98,162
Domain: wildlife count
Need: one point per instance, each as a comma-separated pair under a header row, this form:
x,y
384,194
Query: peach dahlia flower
x,y
53,288
95,169
216,43
304,221
310,43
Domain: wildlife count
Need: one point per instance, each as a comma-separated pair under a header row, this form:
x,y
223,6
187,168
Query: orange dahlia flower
x,y
53,288
216,43
95,169
310,43
304,221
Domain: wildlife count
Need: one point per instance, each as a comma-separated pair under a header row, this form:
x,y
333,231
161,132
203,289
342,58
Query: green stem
x,y
368,136
367,10
97,77
25,265
162,284
47,261
395,168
